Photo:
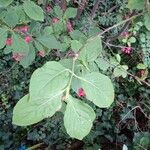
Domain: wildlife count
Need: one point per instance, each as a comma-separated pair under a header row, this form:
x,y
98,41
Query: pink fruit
x,y
126,50
55,20
24,28
48,8
17,56
81,92
9,41
27,39
125,34
41,53
69,27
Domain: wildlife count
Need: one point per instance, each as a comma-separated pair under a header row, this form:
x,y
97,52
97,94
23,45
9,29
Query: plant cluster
x,y
89,77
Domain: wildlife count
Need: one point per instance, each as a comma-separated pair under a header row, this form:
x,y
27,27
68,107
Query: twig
x,y
81,8
63,5
135,77
110,10
112,38
95,7
5,72
127,115
112,45
138,79
120,23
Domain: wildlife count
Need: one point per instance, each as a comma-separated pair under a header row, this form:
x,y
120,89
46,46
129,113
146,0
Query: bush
x,y
75,75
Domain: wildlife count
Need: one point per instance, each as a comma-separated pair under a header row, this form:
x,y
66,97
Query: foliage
x,y
83,81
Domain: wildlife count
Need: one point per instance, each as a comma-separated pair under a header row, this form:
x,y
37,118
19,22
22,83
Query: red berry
x,y
142,72
126,17
24,28
27,39
125,34
126,50
41,53
69,27
9,41
55,20
81,92
17,56
48,8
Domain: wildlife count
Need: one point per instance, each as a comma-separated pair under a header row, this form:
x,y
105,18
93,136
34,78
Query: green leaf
x,y
19,45
102,63
5,3
124,147
118,58
48,30
38,45
93,31
121,71
93,67
29,58
58,11
147,21
49,79
76,84
49,42
27,111
114,61
3,35
22,17
78,118
7,50
98,89
11,18
75,45
136,4
91,50
79,36
70,12
33,11
67,63
132,39
59,27
141,66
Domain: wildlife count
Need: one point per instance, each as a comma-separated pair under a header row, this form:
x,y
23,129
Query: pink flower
x,y
41,53
9,41
55,20
27,39
17,56
81,92
48,8
126,50
125,34
69,27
